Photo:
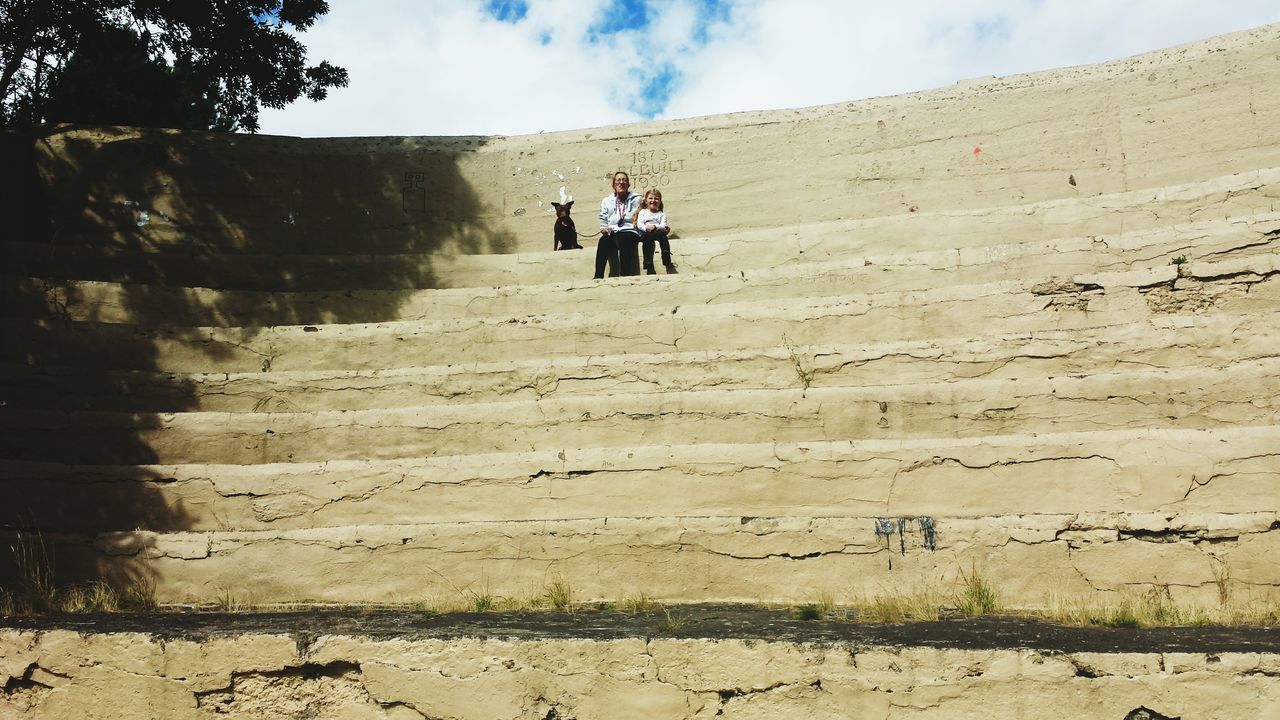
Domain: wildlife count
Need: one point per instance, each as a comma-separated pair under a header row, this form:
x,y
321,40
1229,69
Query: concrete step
x,y
1203,339
1186,399
1210,240
1241,285
189,263
1019,385
1106,216
690,661
299,273
692,559
1222,470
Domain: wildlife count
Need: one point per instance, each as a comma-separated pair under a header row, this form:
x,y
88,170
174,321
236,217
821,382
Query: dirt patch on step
x,y
707,622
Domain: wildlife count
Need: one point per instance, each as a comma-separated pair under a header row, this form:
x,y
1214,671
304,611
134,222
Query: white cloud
x,y
443,67
782,56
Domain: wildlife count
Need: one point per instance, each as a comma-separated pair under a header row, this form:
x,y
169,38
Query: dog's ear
x,y
568,205
556,205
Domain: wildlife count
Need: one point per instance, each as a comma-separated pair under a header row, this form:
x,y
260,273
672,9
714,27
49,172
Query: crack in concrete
x,y
1240,277
938,460
847,549
1268,239
308,688
728,695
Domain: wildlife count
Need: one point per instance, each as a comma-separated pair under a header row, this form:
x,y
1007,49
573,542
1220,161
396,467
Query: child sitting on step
x,y
651,220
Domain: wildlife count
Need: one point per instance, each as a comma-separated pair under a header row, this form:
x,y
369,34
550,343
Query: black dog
x,y
566,232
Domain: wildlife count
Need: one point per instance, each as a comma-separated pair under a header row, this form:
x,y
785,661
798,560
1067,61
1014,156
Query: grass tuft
x,y
824,601
1222,580
1156,608
139,594
559,595
227,600
976,596
808,612
671,622
92,597
35,591
639,602
919,605
480,601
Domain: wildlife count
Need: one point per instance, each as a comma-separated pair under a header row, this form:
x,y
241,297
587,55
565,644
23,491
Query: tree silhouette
x,y
170,63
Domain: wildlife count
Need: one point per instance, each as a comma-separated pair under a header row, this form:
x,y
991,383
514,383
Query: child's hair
x,y
644,203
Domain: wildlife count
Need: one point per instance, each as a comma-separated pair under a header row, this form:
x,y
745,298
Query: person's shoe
x,y
650,271
671,269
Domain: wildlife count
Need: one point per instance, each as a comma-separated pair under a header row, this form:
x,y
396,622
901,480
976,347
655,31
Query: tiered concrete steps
x,y
705,436
1083,233
973,335
1021,329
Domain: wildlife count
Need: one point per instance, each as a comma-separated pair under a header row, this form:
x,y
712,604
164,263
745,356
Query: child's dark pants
x,y
647,241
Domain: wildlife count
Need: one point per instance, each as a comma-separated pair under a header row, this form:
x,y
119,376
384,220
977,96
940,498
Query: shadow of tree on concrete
x,y
122,249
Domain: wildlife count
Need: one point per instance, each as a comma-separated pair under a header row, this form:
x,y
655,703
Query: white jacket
x,y
646,218
617,215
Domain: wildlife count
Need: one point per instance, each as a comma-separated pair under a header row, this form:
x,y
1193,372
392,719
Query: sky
x,y
514,67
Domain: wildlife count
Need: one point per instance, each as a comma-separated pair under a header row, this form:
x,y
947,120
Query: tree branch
x,y
23,41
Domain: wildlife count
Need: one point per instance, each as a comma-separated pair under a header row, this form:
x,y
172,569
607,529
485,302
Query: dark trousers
x,y
628,247
607,253
647,238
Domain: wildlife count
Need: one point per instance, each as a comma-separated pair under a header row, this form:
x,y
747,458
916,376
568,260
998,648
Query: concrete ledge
x,y
1184,399
1204,339
1194,212
1013,306
1163,470
1030,558
1108,261
724,661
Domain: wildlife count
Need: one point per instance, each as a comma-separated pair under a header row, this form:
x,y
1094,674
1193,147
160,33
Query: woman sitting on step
x,y
619,238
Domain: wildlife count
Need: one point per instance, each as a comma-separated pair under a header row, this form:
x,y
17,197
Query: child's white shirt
x,y
645,218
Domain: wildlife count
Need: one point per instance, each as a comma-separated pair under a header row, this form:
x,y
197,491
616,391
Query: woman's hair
x,y
644,203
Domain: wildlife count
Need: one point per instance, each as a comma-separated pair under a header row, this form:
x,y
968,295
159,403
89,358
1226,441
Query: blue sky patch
x,y
656,87
508,11
620,16
271,17
710,12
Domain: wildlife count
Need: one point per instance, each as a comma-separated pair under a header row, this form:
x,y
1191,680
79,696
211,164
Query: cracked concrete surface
x,y
938,312
131,675
1207,339
1184,398
744,558
854,267
1226,470
1055,364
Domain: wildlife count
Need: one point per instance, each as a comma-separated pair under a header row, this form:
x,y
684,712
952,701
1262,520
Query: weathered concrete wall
x,y
62,674
1034,314
1191,112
